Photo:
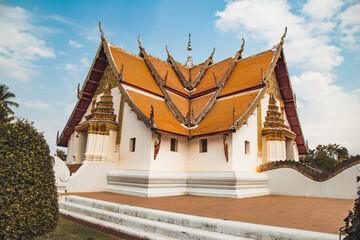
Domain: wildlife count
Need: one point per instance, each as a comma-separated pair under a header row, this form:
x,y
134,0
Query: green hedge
x,y
28,196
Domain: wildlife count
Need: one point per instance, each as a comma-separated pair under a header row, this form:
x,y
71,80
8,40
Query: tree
x,y
5,104
60,154
28,202
326,157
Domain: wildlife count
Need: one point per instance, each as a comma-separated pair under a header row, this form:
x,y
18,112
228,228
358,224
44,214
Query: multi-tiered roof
x,y
206,99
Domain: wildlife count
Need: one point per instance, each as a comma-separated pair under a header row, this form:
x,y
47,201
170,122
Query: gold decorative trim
x,y
259,129
274,127
273,86
157,146
107,78
120,119
102,118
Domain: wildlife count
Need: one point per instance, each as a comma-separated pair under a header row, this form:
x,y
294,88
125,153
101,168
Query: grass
x,y
70,230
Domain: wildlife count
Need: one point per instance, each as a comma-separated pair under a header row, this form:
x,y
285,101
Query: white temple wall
x,y
296,153
72,147
212,160
343,185
134,128
73,142
167,160
115,93
110,147
245,146
81,148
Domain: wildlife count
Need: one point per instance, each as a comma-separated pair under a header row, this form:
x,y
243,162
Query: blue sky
x,y
46,48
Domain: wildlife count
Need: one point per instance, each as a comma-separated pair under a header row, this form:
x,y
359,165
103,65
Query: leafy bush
x,y
352,221
28,202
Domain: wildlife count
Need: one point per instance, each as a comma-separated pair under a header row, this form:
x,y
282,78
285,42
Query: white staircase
x,y
155,224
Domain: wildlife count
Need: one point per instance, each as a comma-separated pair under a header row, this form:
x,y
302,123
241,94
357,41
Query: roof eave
x,y
79,107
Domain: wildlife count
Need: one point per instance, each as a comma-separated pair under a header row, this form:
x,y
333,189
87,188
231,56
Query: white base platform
x,y
227,184
161,183
156,224
146,183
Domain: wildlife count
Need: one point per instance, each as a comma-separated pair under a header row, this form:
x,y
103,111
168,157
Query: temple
x,y
148,127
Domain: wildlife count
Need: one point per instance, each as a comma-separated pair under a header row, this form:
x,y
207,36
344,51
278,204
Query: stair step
x,y
179,225
116,227
146,225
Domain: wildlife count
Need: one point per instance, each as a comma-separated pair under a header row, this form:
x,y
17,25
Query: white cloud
x,y
36,104
322,9
303,46
68,107
74,44
70,67
85,62
350,27
331,113
20,43
327,111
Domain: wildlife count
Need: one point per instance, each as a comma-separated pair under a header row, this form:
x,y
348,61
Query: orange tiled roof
x,y
172,79
200,102
135,70
220,118
185,71
163,117
195,71
207,82
181,102
247,73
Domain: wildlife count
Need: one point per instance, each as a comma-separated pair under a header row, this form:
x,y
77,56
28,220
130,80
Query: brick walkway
x,y
313,214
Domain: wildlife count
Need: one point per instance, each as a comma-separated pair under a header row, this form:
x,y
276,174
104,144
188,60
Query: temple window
x,y
132,144
173,145
247,147
203,145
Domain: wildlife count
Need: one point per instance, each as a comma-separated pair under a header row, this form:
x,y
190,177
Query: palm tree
x,y
5,103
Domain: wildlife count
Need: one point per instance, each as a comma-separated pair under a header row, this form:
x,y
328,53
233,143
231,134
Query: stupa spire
x,y
189,62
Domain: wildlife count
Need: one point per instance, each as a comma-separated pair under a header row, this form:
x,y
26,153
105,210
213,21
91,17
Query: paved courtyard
x,y
313,214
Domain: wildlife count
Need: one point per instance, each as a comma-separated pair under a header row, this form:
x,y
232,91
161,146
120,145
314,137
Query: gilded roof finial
x,y
167,51
283,36
189,48
139,43
212,54
102,33
78,91
242,46
189,62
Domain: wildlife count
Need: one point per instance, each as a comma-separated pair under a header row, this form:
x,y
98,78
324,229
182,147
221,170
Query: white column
x,y
275,150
